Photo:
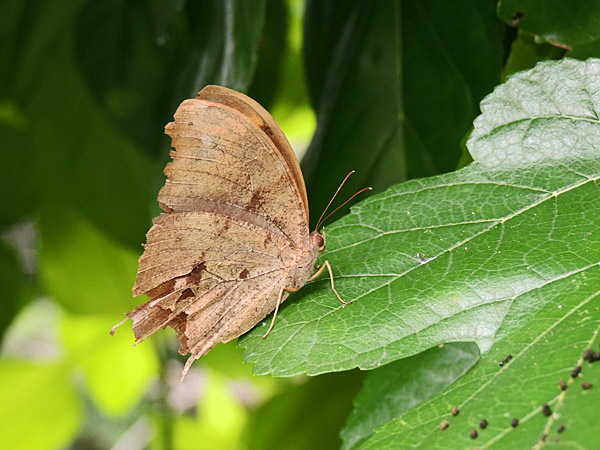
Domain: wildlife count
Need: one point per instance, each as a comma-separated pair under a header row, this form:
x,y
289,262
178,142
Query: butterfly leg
x,y
320,271
279,297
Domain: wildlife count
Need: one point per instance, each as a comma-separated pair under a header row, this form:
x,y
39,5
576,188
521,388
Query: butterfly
x,y
234,238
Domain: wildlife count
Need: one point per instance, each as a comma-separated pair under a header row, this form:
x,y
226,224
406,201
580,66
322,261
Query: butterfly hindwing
x,y
222,292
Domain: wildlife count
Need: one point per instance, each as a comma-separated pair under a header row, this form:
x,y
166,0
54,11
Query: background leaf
x,y
374,72
30,395
160,53
17,203
219,423
271,51
73,249
109,174
116,374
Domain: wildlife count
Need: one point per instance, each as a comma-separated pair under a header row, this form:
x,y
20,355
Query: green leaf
x,y
81,267
86,163
126,59
487,237
374,72
547,113
66,146
399,386
40,408
226,36
116,374
305,416
445,259
572,24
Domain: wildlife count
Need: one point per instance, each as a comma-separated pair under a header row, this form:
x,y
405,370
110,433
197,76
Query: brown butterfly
x,y
234,238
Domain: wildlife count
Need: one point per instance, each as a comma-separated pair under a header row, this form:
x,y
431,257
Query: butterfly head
x,y
318,240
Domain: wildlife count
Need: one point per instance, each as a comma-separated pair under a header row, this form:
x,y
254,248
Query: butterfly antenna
x,y
335,210
332,199
321,219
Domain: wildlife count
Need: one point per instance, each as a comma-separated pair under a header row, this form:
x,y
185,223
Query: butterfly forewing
x,y
223,158
263,120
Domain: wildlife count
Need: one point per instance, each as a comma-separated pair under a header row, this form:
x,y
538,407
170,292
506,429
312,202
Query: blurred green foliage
x,y
388,88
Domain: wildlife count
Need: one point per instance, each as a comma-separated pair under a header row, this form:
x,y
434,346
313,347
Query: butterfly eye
x,y
318,241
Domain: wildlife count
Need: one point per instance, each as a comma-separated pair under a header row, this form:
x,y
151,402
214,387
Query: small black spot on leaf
x,y
591,356
546,410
